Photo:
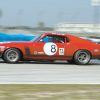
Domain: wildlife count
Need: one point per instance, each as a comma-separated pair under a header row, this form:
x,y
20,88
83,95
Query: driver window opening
x,y
55,39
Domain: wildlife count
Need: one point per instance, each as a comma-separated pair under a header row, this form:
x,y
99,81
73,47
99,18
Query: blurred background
x,y
32,17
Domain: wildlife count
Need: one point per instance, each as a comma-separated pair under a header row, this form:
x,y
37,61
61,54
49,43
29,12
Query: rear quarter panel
x,y
76,44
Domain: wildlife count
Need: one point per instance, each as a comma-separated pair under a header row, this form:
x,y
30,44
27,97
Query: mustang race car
x,y
50,47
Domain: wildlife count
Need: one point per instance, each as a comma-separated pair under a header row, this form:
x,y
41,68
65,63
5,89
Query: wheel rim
x,y
12,56
83,57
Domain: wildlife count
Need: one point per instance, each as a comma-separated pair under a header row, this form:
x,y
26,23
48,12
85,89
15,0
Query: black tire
x,y
12,55
82,57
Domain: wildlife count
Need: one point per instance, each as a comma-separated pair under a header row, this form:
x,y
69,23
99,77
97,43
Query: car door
x,y
50,46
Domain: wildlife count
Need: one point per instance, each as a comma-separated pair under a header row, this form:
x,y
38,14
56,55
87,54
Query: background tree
x,y
40,24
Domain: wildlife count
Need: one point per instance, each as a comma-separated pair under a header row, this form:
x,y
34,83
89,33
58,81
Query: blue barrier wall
x,y
15,37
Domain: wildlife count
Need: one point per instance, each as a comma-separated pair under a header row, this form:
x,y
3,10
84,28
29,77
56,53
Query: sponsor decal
x,y
40,53
61,51
35,53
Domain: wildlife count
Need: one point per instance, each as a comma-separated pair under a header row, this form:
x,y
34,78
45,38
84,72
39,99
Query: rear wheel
x,y
12,55
82,57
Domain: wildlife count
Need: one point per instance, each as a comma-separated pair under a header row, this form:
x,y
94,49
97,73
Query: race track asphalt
x,y
49,73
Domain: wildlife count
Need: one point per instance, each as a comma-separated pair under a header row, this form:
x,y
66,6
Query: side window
x,y
62,39
47,39
55,39
59,39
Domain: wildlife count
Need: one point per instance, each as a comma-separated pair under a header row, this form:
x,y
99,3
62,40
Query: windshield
x,y
36,38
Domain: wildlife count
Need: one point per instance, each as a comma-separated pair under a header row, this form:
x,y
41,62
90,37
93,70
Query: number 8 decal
x,y
53,49
50,48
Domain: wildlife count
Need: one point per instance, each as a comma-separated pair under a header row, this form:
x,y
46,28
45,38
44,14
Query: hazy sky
x,y
30,12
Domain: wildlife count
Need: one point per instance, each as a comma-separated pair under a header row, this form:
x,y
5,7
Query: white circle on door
x,y
50,48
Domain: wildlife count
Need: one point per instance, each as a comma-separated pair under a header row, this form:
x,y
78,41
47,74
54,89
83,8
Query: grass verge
x,y
49,92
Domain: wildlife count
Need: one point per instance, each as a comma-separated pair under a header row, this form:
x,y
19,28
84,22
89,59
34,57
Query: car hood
x,y
13,43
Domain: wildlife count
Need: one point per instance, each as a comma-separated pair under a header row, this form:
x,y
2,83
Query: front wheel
x,y
82,57
12,55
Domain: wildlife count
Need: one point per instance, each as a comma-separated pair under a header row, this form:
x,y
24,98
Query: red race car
x,y
50,47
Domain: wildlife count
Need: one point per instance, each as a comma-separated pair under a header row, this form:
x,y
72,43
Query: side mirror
x,y
41,40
